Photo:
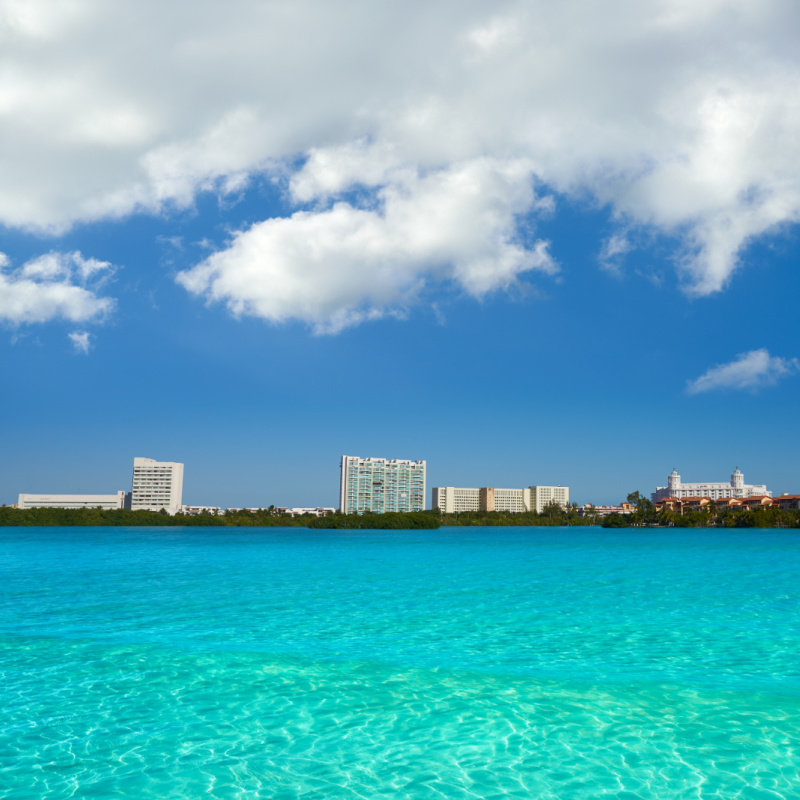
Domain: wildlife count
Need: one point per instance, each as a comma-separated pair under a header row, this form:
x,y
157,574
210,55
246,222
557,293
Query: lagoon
x,y
458,663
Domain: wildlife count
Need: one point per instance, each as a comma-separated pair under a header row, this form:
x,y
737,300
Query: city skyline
x,y
166,480
537,253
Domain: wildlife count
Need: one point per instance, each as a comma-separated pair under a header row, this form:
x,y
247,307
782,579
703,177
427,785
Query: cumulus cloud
x,y
341,265
681,118
80,341
751,371
53,286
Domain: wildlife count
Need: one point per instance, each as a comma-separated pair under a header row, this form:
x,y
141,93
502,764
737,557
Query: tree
x,y
645,510
552,509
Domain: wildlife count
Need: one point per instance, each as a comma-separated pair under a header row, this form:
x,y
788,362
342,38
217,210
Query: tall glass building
x,y
381,484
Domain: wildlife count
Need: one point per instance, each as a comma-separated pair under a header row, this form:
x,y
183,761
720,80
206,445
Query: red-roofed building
x,y
787,501
757,502
695,503
732,503
672,504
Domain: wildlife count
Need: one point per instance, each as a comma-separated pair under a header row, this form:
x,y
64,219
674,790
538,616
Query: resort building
x,y
156,485
542,496
681,506
737,488
454,500
194,511
450,500
317,511
378,485
589,510
787,501
104,501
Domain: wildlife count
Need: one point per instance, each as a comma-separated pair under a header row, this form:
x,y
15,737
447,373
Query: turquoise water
x,y
460,663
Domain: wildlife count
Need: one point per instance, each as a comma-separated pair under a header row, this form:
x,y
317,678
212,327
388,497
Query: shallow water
x,y
489,663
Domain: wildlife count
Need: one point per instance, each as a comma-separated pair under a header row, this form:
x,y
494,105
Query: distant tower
x,y
674,483
737,482
156,485
375,485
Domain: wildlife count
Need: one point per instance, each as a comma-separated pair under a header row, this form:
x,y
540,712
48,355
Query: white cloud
x,y
681,117
80,341
331,170
53,286
751,371
341,265
62,265
613,250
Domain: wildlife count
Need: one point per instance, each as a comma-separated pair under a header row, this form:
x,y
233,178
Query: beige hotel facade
x,y
454,500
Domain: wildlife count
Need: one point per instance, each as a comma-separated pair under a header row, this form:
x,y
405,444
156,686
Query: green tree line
x,y
645,514
268,517
118,516
432,519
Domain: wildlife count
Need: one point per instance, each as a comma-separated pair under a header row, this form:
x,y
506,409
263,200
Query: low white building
x,y
317,511
589,510
193,511
454,500
104,501
715,491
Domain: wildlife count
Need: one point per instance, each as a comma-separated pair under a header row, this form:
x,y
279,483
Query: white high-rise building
x,y
453,500
156,485
378,485
715,491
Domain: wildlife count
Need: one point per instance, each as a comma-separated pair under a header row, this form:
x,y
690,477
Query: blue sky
x,y
573,263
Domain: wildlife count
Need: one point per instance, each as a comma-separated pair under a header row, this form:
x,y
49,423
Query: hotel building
x,y
454,500
714,491
104,501
378,485
156,485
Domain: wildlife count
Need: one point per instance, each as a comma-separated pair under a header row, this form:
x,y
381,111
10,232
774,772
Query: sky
x,y
528,242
